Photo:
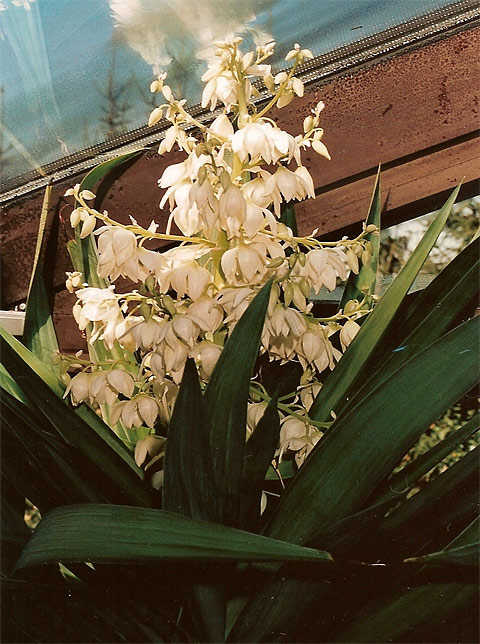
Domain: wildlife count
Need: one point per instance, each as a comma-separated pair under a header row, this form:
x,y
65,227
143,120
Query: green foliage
x,y
179,569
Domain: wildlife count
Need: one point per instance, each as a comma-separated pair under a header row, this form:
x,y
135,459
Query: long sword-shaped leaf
x,y
411,608
112,533
226,398
259,452
407,477
340,381
39,333
9,385
367,442
124,480
412,614
448,503
463,555
364,282
365,445
189,486
65,472
430,315
58,388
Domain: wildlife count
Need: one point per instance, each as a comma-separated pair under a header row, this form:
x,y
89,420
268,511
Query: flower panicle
x,y
226,198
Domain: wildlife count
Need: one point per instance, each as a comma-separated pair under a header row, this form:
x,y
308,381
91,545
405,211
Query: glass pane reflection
x,y
75,73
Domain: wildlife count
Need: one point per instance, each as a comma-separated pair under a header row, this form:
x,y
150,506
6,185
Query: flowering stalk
x,y
226,198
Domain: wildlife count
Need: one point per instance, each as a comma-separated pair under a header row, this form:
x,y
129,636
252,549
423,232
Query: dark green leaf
x,y
429,316
125,483
463,555
368,441
259,452
39,333
340,381
226,398
66,475
189,486
189,489
448,502
406,477
411,612
288,216
467,536
364,282
9,385
285,469
121,534
25,359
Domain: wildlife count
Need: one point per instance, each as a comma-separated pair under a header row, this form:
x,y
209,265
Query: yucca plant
x,y
344,552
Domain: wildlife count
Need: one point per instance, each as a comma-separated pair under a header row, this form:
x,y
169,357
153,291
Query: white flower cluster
x,y
226,199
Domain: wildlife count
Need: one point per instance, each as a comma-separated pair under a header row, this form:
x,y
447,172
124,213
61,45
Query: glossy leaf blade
x,y
58,388
124,480
365,281
115,533
226,398
39,333
10,386
189,485
462,555
446,504
406,477
339,382
366,443
259,452
409,610
430,316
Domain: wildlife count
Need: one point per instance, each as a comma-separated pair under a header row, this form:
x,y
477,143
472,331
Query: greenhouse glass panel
x,y
76,73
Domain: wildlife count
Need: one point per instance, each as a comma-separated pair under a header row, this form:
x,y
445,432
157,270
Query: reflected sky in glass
x,y
75,73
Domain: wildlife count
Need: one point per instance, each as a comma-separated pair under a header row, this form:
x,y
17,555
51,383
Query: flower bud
x,y
88,226
87,195
76,217
155,116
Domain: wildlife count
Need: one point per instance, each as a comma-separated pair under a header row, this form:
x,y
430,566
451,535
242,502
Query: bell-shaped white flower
x,y
308,393
142,409
121,381
100,391
222,126
184,329
73,281
117,253
232,210
235,302
255,412
254,140
222,87
148,333
243,265
78,388
206,355
148,448
206,313
190,279
347,333
98,304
